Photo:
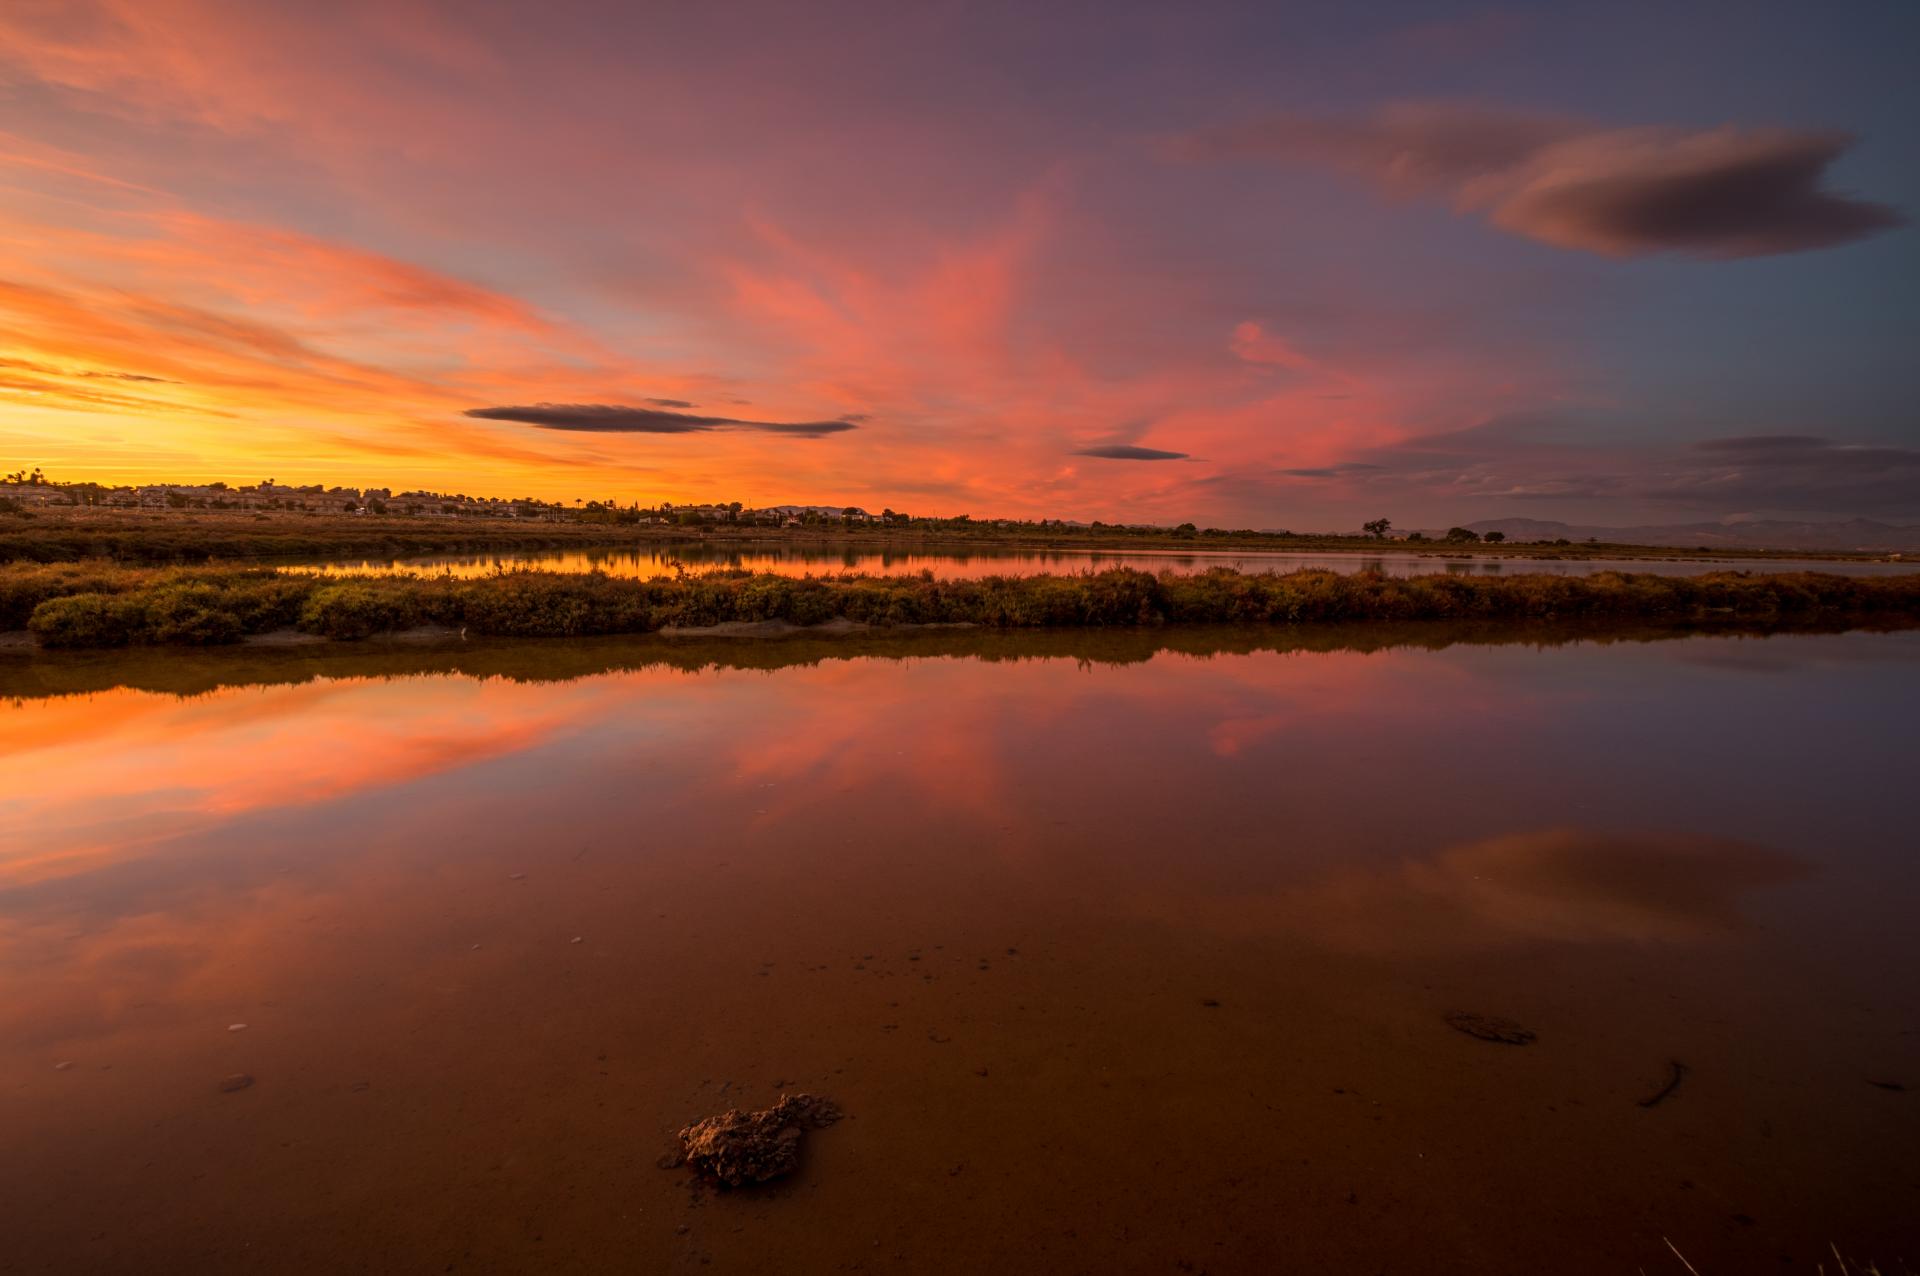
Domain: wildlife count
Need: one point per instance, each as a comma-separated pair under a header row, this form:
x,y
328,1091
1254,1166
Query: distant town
x,y
32,489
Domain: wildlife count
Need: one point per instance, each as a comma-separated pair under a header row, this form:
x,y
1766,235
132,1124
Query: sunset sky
x,y
1268,264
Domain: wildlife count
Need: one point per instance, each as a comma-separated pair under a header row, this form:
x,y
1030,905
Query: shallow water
x,y
656,559
1122,954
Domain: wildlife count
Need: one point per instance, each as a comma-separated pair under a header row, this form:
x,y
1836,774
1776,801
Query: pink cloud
x,y
1256,345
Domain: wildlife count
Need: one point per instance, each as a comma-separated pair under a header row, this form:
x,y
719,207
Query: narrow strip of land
x,y
105,605
152,537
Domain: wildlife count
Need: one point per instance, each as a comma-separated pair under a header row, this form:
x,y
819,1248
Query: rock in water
x,y
238,1081
737,1148
1488,1028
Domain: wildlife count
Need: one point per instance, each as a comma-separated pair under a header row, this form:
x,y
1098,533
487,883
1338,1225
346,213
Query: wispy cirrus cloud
x,y
1620,192
1342,470
613,418
91,374
1254,344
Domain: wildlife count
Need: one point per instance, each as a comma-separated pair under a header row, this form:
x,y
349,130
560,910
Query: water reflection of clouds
x,y
1571,885
1057,767
96,779
99,778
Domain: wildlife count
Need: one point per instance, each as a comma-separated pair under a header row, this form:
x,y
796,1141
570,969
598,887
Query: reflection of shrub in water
x,y
181,671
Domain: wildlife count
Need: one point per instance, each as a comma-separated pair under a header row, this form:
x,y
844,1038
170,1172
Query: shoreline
x,y
29,672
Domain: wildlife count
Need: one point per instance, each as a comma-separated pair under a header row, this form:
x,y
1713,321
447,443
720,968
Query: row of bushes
x,y
77,605
126,538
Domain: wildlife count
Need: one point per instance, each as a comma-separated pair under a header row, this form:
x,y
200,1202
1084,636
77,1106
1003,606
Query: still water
x,y
1122,953
656,559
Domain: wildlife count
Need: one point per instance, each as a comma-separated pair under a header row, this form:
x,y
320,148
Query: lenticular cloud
x,y
1620,192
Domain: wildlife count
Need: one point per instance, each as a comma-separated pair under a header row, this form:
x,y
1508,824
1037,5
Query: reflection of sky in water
x,y
664,560
883,875
1265,769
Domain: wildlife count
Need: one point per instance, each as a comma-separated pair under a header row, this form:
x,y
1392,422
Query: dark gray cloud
x,y
668,403
1620,192
1751,197
609,418
1129,452
1343,470
1794,471
1768,444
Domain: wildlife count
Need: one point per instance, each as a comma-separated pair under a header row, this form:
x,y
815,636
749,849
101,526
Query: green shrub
x,y
181,613
355,610
87,620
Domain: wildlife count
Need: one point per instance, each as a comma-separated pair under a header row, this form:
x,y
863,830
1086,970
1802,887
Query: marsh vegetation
x,y
106,605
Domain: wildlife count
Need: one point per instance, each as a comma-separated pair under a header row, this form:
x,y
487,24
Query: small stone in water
x,y
63,1065
236,1027
238,1081
1489,1028
578,939
738,1148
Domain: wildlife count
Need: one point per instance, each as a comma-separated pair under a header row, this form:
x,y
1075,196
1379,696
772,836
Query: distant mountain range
x,y
1859,534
